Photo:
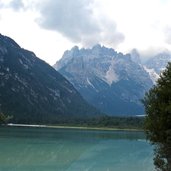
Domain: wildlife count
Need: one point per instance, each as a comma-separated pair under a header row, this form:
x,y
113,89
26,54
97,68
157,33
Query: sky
x,y
49,27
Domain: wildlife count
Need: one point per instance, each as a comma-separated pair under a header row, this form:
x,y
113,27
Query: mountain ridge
x,y
109,80
33,92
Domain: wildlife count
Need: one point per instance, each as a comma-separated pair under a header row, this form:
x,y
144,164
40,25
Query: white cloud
x,y
141,21
48,27
16,4
76,20
21,27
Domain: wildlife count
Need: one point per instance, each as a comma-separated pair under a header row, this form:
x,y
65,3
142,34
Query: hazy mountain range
x,y
113,82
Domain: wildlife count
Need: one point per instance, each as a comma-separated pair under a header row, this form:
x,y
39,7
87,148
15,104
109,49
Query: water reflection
x,y
43,149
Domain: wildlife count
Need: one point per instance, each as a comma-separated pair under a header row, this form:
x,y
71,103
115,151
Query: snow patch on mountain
x,y
111,75
159,62
89,82
153,75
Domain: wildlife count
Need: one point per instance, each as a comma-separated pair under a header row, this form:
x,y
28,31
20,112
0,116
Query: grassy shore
x,y
76,127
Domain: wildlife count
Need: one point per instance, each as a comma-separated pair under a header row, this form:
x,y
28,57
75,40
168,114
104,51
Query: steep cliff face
x,y
34,92
110,81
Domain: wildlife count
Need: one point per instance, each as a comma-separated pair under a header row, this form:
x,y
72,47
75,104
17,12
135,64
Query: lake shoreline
x,y
74,127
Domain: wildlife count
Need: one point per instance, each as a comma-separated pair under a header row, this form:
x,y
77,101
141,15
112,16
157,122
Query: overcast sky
x,y
49,27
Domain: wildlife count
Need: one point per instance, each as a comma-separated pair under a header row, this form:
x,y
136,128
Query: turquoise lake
x,y
47,149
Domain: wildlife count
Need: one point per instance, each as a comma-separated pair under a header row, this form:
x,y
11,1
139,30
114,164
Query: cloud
x,y
14,4
1,4
77,21
167,35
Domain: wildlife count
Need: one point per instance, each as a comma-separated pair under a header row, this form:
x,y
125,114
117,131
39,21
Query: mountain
x,y
109,80
156,64
135,56
34,92
159,62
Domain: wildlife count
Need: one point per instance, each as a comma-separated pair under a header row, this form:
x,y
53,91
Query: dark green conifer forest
x,y
158,120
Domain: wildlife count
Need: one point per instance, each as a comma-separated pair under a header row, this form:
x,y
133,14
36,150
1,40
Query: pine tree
x,y
158,120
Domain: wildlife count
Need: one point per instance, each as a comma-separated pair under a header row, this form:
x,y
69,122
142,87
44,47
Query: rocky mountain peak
x,y
159,62
7,41
105,77
135,56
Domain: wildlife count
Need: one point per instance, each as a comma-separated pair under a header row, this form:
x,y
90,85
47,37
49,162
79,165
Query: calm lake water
x,y
47,149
